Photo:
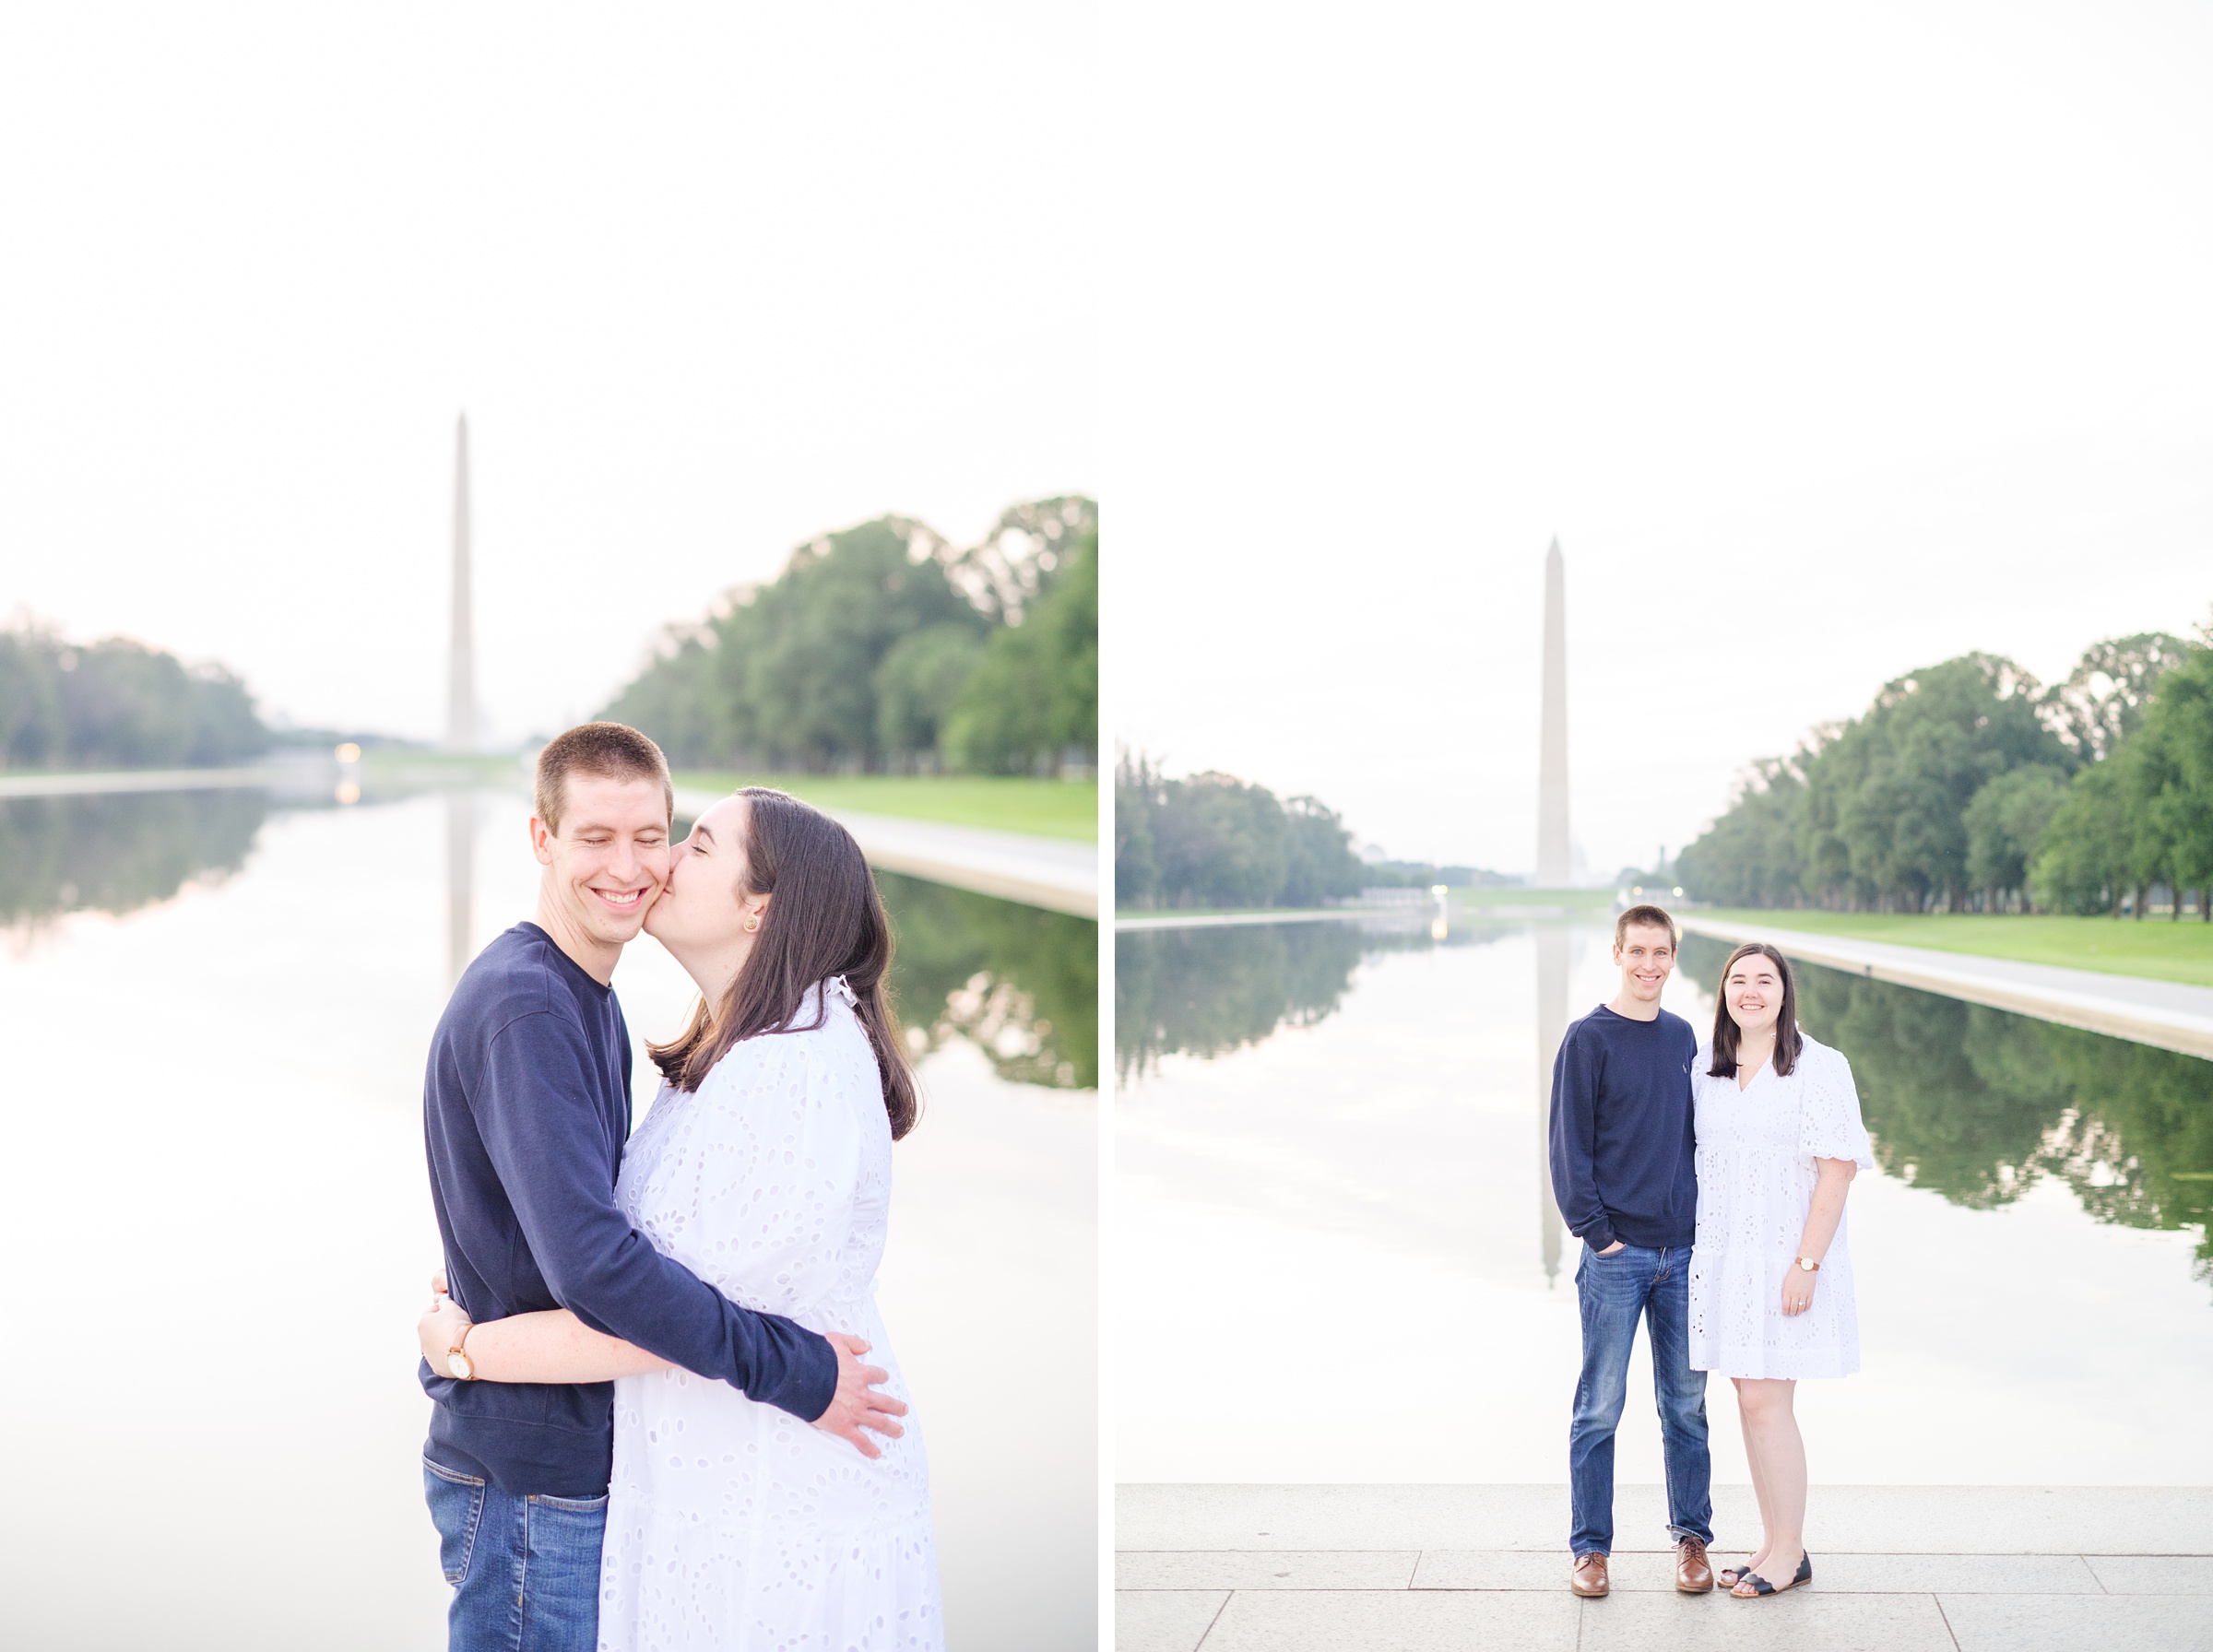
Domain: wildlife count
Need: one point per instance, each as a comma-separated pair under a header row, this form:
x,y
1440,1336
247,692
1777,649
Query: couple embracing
x,y
1707,1182
653,1426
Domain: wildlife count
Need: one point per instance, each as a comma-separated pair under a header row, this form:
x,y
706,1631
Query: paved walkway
x,y
1054,873
63,785
2167,1013
1896,1569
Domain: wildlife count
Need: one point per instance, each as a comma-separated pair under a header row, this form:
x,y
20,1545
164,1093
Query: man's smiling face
x,y
610,856
1647,956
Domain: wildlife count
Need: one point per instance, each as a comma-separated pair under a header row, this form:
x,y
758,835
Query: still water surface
x,y
1330,1171
213,1016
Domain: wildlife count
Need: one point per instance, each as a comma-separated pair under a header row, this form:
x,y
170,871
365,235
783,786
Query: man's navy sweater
x,y
1623,1146
526,1109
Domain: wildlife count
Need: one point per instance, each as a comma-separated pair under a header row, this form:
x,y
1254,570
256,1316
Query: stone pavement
x,y
1204,1568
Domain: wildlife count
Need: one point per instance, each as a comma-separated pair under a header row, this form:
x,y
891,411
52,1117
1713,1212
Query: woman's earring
x,y
752,925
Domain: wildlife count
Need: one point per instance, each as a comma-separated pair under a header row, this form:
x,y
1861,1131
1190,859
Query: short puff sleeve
x,y
1828,1109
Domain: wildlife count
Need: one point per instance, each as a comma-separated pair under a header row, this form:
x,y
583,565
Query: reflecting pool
x,y
1331,1170
214,1009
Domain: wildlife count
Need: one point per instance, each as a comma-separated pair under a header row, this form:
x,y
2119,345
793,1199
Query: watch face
x,y
457,1363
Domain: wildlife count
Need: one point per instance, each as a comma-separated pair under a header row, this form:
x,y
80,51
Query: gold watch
x,y
459,1365
1806,1264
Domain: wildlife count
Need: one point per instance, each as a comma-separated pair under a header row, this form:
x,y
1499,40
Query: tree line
x,y
886,648
117,704
1214,840
1971,787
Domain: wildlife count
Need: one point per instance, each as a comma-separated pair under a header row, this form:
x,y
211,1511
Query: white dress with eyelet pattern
x,y
1757,1149
731,1525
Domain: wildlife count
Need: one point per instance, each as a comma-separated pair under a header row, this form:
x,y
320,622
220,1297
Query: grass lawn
x,y
1063,808
2159,947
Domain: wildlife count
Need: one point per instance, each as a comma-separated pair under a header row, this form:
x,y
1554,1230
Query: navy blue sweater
x,y
526,1109
1623,1146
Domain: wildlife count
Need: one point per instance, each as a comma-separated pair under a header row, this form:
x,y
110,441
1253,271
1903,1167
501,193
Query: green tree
x,y
1034,698
2105,697
862,652
1319,862
797,662
2082,858
33,733
1893,788
2171,782
118,704
1750,857
1138,795
1220,842
917,685
2006,820
677,700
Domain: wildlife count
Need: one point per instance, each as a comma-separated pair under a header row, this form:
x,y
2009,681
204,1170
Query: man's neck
x,y
1630,1007
595,958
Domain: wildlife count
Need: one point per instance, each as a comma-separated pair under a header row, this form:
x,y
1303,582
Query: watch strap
x,y
460,1348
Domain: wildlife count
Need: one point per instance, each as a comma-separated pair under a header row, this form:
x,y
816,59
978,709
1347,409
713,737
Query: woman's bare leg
x,y
1759,1478
1771,1438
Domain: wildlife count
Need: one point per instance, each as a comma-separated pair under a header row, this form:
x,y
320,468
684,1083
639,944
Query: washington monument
x,y
461,659
1553,869
1552,873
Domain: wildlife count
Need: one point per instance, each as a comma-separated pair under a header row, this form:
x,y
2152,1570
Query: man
x,y
527,1106
1623,1175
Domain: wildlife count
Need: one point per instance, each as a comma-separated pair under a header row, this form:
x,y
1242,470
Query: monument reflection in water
x,y
1325,1153
214,1009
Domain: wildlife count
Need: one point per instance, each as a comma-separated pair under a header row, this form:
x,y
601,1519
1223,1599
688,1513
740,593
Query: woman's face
x,y
703,906
1752,992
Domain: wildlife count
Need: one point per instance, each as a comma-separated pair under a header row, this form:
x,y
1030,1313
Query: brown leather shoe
x,y
1590,1578
1693,1575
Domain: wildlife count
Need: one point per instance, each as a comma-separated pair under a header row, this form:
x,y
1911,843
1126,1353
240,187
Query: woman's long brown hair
x,y
1788,1041
826,919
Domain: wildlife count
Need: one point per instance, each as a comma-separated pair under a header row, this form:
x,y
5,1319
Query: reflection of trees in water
x,y
2137,1145
1209,991
118,851
1978,1104
1020,983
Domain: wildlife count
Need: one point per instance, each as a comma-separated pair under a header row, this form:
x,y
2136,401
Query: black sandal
x,y
1761,1586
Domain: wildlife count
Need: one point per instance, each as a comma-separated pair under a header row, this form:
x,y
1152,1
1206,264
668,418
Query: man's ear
x,y
541,842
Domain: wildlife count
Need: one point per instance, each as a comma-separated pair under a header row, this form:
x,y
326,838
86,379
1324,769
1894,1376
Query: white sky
x,y
708,279
1831,341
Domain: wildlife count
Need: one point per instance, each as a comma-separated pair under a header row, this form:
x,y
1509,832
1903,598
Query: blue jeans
x,y
524,1570
1613,1291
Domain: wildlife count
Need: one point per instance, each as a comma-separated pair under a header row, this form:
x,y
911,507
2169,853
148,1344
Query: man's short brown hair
x,y
611,750
1647,917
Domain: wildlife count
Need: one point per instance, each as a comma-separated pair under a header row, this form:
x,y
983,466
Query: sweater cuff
x,y
1599,1235
814,1378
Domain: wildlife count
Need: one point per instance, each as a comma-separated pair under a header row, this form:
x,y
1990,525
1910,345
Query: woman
x,y
765,1167
1779,1140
